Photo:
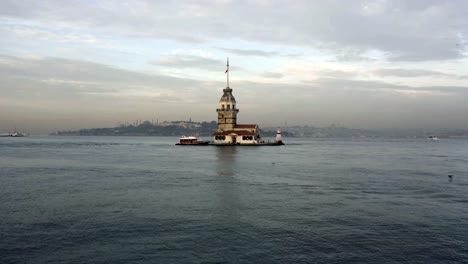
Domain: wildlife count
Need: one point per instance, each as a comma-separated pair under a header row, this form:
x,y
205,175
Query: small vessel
x,y
13,134
432,138
191,140
16,134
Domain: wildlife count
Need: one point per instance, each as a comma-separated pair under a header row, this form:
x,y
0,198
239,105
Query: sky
x,y
363,64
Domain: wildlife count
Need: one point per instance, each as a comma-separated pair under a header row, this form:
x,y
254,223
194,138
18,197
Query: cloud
x,y
336,74
36,32
55,78
313,60
364,104
272,75
44,93
260,53
380,87
243,52
417,31
189,61
66,93
408,73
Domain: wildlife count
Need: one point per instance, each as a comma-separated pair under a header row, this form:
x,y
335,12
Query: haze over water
x,y
144,200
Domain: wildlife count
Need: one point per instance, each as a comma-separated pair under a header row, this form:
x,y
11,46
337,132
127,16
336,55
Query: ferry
x,y
190,140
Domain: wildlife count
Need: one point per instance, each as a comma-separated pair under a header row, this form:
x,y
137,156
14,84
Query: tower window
x,y
228,107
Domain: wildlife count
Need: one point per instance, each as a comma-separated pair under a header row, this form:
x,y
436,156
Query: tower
x,y
227,111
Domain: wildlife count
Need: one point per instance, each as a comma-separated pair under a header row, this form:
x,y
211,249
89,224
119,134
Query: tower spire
x,y
227,71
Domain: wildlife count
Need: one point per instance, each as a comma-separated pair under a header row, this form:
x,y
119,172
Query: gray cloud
x,y
398,72
376,87
369,104
182,61
190,61
53,93
272,75
67,93
80,75
336,74
416,31
260,53
243,52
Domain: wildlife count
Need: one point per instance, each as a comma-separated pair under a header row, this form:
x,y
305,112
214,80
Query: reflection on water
x,y
227,185
226,160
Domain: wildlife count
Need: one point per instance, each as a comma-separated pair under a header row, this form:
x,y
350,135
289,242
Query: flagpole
x,y
228,72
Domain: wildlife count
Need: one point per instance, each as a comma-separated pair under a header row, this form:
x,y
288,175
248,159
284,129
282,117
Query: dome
x,y
227,96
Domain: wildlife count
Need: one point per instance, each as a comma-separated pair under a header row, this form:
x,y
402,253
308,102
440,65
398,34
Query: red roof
x,y
237,132
246,126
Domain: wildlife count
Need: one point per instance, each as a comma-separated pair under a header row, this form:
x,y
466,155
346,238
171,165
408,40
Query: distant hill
x,y
167,128
335,131
326,132
206,129
147,128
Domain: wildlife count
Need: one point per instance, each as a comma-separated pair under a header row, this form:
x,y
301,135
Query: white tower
x,y
278,139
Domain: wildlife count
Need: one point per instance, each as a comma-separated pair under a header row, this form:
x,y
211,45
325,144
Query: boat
x,y
191,141
13,134
432,138
17,134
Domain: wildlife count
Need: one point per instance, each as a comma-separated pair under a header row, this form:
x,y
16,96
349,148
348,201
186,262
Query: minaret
x,y
227,111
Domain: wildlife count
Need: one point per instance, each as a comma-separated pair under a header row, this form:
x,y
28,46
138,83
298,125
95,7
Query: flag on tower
x,y
227,69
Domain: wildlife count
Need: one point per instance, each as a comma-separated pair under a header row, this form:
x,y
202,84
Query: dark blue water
x,y
144,200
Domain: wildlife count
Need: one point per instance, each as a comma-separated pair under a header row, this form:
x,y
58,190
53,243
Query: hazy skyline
x,y
362,64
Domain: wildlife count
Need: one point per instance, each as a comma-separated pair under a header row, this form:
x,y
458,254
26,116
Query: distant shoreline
x,y
206,129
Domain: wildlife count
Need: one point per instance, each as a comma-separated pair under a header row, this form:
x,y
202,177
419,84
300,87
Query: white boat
x,y
13,134
191,140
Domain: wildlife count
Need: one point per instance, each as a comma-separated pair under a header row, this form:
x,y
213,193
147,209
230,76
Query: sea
x,y
145,200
